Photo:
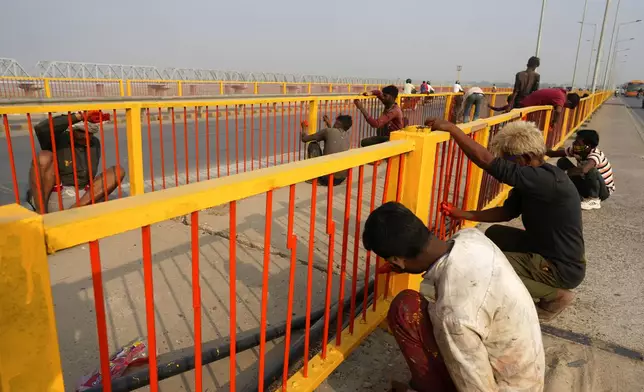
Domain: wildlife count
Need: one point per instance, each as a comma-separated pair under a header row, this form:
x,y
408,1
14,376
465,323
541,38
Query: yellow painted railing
x,y
37,87
29,352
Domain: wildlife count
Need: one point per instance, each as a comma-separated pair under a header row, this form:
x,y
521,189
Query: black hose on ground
x,y
212,351
274,369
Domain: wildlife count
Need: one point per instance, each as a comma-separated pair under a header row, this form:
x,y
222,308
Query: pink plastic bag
x,y
134,353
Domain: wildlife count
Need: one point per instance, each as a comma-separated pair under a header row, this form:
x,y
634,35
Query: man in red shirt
x,y
390,120
556,97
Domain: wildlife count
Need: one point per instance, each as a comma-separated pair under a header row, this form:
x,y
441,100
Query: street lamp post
x,y
459,68
543,11
601,46
581,32
616,31
592,49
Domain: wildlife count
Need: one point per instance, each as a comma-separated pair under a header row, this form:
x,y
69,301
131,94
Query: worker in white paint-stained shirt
x,y
482,332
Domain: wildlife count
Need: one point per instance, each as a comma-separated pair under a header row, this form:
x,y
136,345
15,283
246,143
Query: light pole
x,y
592,49
459,68
543,11
616,29
581,32
601,46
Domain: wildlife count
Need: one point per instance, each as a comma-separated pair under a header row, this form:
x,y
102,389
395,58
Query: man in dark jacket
x,y
75,153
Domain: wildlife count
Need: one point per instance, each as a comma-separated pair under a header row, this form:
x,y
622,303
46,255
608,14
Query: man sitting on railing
x,y
336,139
390,120
104,183
549,254
482,332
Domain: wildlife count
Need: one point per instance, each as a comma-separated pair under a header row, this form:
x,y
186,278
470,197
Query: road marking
x,y
638,122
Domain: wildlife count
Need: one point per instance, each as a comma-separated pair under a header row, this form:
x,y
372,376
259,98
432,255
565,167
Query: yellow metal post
x,y
221,88
418,172
476,174
448,105
47,88
29,353
134,149
564,126
546,125
330,87
349,88
309,87
493,103
365,88
255,88
284,88
179,88
128,85
121,90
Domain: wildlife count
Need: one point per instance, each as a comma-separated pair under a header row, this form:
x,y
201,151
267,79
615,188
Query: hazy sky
x,y
419,39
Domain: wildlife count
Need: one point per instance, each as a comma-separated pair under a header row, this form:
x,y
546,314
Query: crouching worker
x,y
54,194
482,333
335,138
549,254
390,120
593,175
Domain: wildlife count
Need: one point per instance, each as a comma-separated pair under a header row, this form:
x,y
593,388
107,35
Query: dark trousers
x,y
590,184
382,136
324,181
410,324
538,275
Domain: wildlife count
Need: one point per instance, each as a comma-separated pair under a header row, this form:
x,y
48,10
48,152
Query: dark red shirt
x,y
391,118
547,96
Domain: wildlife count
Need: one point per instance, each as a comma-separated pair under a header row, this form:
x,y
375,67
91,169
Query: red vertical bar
x,y
268,134
232,278
217,138
245,146
149,307
291,243
309,275
196,297
185,142
401,168
118,158
36,166
207,143
252,136
433,192
260,136
289,152
267,261
196,119
236,141
53,150
330,229
104,164
101,324
161,145
343,261
147,116
89,160
356,250
372,205
282,132
275,134
387,176
441,179
174,149
227,138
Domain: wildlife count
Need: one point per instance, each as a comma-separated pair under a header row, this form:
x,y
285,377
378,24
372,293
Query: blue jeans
x,y
477,101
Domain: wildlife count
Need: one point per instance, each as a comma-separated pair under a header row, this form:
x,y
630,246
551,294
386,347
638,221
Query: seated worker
x,y
104,183
336,139
556,97
549,254
390,120
409,88
474,96
593,175
482,333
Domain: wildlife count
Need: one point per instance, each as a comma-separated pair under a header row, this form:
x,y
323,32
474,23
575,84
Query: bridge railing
x,y
417,167
168,143
38,87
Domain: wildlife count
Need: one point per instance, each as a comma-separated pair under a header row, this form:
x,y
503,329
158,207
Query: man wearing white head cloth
x,y
75,152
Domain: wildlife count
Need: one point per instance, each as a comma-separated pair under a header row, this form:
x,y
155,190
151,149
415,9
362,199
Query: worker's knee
x,y
45,159
407,301
564,163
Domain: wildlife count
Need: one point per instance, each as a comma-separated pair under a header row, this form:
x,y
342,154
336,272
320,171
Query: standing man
x,y
390,120
70,176
473,97
525,82
549,254
482,332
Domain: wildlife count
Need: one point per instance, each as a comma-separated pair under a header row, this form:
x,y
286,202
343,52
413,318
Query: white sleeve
x,y
465,356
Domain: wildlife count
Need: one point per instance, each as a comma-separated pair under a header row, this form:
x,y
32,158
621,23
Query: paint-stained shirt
x,y
484,319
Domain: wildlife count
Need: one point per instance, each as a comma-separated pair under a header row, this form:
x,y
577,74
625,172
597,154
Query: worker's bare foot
x,y
548,310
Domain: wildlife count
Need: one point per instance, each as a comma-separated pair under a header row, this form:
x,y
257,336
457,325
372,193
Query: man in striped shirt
x,y
593,174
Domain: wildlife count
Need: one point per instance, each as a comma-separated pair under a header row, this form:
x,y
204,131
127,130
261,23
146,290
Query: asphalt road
x,y
636,105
